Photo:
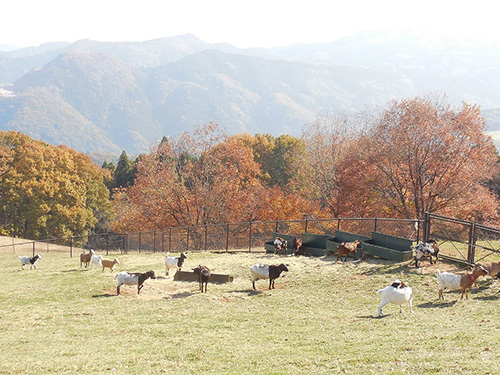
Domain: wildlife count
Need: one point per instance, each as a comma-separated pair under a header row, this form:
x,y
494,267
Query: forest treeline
x,y
416,155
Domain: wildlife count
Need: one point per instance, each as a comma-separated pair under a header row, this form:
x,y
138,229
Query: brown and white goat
x,y
464,282
280,245
427,249
203,273
132,278
346,248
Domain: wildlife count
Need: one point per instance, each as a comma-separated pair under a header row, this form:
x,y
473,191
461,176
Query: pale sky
x,y
256,23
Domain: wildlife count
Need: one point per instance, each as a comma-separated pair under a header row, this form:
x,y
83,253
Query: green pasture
x,y
320,319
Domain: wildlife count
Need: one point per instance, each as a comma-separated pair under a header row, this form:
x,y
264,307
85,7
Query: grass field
x,y
320,319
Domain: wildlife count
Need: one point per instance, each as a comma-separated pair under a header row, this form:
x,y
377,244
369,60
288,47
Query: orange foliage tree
x,y
205,178
423,156
191,180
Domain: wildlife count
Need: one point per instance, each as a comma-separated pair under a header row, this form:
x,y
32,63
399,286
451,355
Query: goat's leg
x,y
253,284
139,287
118,290
382,304
410,303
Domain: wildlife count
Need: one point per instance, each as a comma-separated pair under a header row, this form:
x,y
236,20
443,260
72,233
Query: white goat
x,y
27,260
397,293
96,260
135,278
171,262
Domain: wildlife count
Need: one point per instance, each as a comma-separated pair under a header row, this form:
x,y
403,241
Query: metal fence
x,y
462,241
245,236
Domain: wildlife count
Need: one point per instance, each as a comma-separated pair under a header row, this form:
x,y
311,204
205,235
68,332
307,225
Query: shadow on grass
x,y
494,297
180,295
437,304
66,271
388,268
376,317
248,292
105,295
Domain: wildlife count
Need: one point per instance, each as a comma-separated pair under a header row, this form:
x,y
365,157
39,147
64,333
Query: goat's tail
x,y
380,290
438,272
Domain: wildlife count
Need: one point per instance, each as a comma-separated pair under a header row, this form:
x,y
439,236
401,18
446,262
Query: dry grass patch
x,y
321,319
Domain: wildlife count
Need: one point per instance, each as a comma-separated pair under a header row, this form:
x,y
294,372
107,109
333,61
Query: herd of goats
x,y
397,293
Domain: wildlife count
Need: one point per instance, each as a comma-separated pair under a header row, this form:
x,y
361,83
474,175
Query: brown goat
x,y
109,264
203,273
85,258
346,248
296,246
493,268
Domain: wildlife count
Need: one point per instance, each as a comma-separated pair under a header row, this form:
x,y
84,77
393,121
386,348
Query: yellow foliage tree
x,y
48,191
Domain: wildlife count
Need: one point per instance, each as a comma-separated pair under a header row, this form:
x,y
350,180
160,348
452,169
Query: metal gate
x,y
462,241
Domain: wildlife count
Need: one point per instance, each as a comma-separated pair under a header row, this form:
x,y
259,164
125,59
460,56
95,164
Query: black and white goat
x,y
262,271
27,260
171,262
427,249
132,278
203,273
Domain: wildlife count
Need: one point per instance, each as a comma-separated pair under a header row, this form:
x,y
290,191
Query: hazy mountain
x,y
101,97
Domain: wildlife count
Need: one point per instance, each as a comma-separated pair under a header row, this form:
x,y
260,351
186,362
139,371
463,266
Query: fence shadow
x,y
105,295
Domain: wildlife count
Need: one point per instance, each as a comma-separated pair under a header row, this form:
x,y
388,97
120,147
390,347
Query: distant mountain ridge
x,y
106,97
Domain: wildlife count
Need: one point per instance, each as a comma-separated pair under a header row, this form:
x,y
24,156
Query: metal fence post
x,y
472,243
107,243
206,235
227,238
140,240
187,239
169,239
250,237
427,226
71,247
33,248
305,229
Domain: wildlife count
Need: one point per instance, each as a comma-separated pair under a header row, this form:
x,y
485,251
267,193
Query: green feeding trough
x,y
342,236
389,247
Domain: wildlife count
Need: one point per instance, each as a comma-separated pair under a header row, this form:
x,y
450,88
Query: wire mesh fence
x,y
244,236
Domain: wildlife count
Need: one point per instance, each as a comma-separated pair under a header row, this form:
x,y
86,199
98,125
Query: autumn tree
x,y
332,165
279,158
204,178
427,156
49,191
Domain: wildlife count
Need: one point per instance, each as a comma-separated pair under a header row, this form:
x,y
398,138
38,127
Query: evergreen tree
x,y
124,174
